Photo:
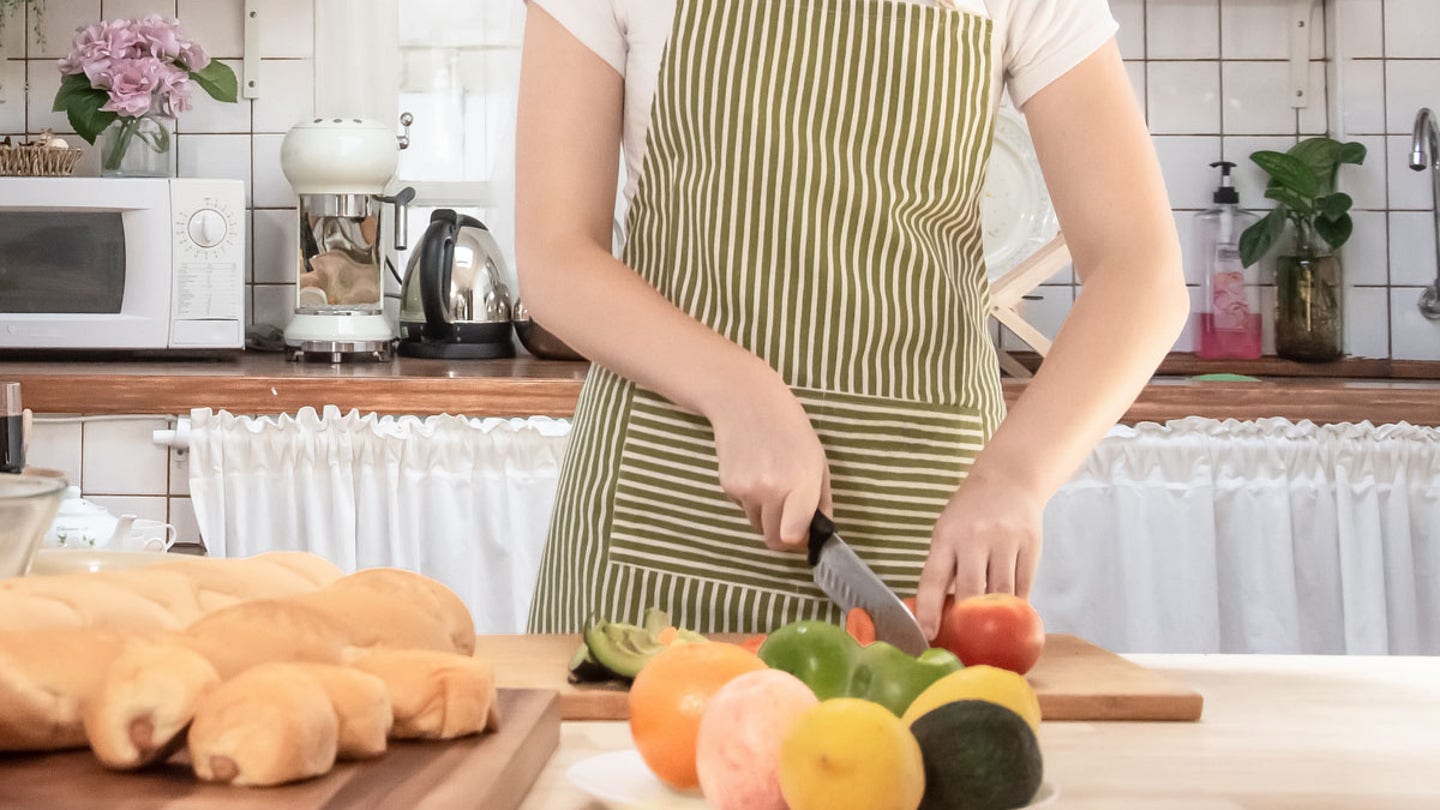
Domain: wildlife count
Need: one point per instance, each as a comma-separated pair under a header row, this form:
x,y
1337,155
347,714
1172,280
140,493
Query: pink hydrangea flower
x,y
97,46
174,89
193,57
159,37
132,83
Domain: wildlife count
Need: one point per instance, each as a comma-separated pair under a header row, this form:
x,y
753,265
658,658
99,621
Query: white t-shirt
x,y
1034,43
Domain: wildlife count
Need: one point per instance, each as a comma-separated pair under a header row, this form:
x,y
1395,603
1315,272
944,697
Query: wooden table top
x,y
1279,732
253,383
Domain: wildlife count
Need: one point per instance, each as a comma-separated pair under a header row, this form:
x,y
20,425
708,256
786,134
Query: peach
x,y
737,752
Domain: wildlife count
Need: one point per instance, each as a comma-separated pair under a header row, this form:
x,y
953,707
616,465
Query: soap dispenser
x,y
1229,316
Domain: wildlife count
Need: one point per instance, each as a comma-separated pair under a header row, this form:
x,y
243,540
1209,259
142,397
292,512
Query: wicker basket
x,y
37,160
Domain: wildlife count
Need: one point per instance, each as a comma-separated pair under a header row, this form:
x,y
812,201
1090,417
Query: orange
x,y
669,697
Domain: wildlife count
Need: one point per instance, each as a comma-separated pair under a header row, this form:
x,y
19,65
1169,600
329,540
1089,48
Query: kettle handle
x,y
437,251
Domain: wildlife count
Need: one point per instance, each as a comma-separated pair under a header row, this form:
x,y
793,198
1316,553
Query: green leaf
x,y
1290,199
1322,155
85,115
70,86
1289,172
1353,153
1335,206
218,80
1335,232
1260,237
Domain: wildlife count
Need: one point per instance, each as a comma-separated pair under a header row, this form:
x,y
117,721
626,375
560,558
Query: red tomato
x,y
860,626
999,629
752,643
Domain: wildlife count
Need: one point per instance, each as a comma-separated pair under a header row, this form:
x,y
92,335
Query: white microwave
x,y
131,264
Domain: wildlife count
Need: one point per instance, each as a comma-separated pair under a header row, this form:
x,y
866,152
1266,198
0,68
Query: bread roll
x,y
22,613
268,726
220,583
271,630
435,695
172,591
389,607
361,703
98,603
139,714
317,570
45,679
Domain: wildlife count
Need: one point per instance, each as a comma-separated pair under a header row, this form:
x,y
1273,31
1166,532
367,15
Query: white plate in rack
x,y
621,780
1015,209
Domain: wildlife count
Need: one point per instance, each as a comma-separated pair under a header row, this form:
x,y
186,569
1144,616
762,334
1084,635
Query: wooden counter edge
x,y
1322,401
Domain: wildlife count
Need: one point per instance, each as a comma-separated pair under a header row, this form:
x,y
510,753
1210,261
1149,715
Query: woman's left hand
x,y
986,541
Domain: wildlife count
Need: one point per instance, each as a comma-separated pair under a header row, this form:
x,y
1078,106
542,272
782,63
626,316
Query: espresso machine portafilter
x,y
341,168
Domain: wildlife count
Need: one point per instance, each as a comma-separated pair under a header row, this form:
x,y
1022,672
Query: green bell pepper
x,y
828,660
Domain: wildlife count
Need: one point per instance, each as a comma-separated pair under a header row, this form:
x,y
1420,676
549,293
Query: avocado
x,y
978,756
585,669
624,649
655,621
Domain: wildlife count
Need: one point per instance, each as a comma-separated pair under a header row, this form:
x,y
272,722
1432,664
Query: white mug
x,y
149,535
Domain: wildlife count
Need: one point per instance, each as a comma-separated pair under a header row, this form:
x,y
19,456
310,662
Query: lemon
x,y
999,686
849,753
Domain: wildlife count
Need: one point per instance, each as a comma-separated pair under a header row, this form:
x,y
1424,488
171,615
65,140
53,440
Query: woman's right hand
x,y
771,462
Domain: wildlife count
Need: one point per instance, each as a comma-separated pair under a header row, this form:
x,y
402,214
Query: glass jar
x,y
1309,323
138,147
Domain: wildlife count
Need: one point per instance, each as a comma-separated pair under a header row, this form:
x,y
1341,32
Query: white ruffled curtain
x,y
1268,536
466,501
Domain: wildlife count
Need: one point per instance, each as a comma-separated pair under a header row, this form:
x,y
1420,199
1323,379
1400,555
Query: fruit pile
x,y
821,719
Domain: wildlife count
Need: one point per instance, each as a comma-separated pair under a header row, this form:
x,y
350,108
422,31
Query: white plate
x,y
621,779
1015,208
67,561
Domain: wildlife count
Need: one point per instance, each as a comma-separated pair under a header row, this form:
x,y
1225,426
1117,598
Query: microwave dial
x,y
207,227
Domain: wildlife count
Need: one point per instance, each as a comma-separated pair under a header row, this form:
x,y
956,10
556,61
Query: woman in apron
x,y
797,319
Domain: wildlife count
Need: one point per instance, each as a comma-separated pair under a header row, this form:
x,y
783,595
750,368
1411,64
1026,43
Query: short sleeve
x,y
1044,39
596,23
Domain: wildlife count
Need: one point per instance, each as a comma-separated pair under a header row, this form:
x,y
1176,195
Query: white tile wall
x,y
1412,248
1367,318
1182,29
1184,97
1410,29
1412,337
120,458
239,140
56,446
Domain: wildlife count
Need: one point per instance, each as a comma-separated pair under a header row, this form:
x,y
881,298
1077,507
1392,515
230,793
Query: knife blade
x,y
850,583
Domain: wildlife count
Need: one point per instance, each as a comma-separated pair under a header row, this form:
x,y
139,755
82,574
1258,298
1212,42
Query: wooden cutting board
x,y
490,772
1075,680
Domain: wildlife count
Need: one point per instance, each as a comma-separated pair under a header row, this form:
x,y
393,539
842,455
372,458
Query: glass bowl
x,y
27,508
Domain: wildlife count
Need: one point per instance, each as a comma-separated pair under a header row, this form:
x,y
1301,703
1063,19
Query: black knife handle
x,y
821,530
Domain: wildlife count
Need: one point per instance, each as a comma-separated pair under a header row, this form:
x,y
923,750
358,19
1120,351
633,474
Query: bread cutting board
x,y
490,772
1075,680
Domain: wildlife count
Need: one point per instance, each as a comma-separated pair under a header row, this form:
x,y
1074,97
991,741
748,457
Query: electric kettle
x,y
454,302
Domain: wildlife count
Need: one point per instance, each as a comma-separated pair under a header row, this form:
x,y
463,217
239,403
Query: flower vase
x,y
1309,326
138,147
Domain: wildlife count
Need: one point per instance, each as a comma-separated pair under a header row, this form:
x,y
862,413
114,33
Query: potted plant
x,y
1308,288
126,79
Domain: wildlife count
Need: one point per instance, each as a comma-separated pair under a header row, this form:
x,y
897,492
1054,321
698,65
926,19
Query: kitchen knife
x,y
850,583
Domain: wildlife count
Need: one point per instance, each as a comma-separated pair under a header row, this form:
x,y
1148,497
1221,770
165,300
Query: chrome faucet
x,y
1425,154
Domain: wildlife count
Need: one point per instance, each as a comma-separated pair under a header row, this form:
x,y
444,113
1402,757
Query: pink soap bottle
x,y
1229,316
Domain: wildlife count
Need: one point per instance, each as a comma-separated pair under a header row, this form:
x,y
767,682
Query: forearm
x,y
1121,327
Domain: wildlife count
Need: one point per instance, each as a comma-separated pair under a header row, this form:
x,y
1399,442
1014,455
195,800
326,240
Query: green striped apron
x,y
810,191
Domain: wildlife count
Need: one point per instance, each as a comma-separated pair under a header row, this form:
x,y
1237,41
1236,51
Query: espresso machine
x,y
341,169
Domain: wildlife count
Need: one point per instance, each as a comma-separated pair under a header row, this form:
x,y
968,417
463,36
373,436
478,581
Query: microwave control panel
x,y
208,252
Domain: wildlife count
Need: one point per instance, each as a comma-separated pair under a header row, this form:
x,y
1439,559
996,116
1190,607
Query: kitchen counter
x,y
1278,732
267,383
